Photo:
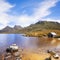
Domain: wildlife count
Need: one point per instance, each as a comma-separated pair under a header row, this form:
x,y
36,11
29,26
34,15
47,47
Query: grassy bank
x,y
42,33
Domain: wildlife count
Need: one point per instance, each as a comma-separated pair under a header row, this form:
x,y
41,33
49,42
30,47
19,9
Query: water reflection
x,y
53,41
5,41
24,42
48,42
27,42
8,39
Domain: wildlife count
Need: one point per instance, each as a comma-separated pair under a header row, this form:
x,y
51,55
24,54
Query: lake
x,y
26,42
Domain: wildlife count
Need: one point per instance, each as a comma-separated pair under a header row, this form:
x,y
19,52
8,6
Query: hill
x,y
38,29
42,27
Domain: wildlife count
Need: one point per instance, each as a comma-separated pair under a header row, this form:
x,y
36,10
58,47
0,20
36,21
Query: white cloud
x,y
4,17
24,20
4,6
42,10
50,19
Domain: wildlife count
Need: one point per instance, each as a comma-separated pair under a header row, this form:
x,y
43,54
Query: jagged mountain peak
x,y
9,29
17,27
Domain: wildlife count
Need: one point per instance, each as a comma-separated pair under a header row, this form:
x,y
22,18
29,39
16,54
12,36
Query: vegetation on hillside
x,y
38,29
41,28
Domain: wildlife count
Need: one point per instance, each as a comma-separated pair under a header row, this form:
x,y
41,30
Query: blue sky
x,y
26,12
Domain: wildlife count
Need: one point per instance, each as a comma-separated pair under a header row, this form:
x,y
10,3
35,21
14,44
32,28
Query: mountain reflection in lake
x,y
26,42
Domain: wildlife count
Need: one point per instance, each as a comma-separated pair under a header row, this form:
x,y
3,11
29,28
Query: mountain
x,y
9,29
16,27
42,27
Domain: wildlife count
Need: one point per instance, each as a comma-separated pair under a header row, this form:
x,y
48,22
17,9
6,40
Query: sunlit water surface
x,y
27,42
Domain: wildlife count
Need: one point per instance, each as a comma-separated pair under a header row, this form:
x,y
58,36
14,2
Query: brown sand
x,y
35,56
29,55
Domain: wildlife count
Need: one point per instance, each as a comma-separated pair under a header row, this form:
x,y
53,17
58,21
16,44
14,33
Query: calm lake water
x,y
26,42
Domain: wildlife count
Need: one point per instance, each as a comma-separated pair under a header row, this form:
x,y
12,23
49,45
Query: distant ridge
x,y
9,29
39,26
17,27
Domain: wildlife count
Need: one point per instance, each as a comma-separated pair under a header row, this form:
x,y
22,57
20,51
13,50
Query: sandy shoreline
x,y
26,54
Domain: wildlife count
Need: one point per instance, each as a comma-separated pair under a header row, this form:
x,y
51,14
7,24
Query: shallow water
x,y
26,42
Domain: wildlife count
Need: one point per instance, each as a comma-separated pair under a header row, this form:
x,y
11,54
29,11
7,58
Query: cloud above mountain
x,y
41,11
4,16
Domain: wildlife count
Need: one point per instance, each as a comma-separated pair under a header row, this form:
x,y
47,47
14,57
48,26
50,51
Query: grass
x,y
42,33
